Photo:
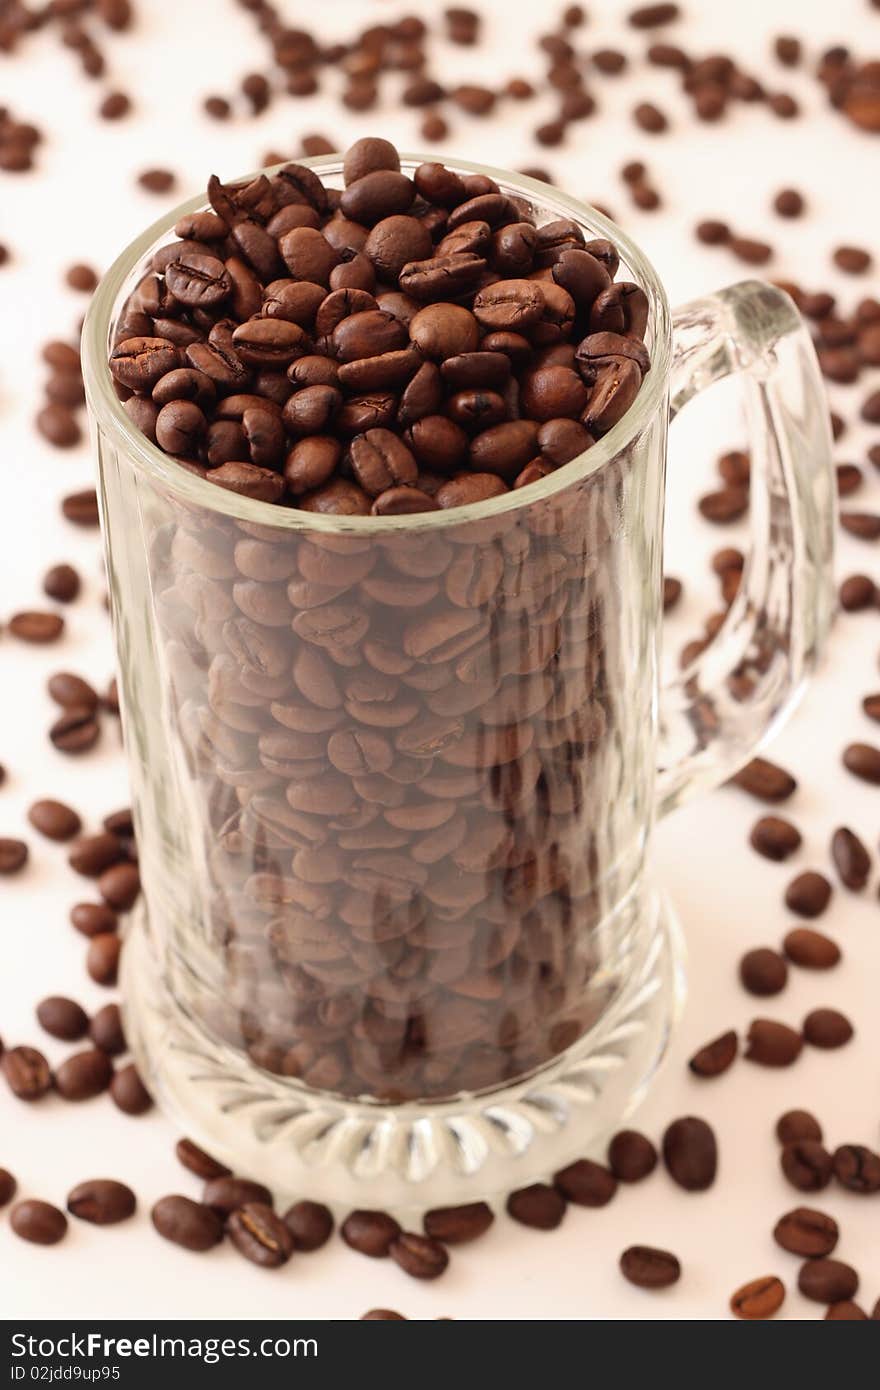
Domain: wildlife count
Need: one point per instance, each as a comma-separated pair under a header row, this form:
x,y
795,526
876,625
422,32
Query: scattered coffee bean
x,y
61,582
102,958
863,761
382,1315
715,1057
26,1072
81,507
808,895
788,203
806,1164
774,837
851,859
93,919
84,1075
119,886
8,1186
157,180
586,1183
798,1124
810,949
648,1268
853,260
690,1153
310,1224
765,780
105,1030
187,1223
260,1235
54,820
370,1232
458,1225
763,972
224,1195
857,593
101,1201
76,730
63,1018
845,1311
36,627
69,690
772,1044
865,526
806,1232
827,1028
827,1281
13,855
38,1222
631,1156
538,1206
418,1255
760,1298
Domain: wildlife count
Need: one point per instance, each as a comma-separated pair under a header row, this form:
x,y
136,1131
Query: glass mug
x,y
394,778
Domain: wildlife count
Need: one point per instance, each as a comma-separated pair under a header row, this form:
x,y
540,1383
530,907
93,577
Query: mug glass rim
x,y
107,410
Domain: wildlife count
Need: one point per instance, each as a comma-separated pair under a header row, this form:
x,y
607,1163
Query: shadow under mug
x,y
394,778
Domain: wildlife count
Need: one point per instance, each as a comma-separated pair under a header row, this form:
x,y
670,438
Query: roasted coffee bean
x,y
798,1124
101,1201
54,819
105,1030
67,690
84,1075
760,1298
199,1162
187,1223
851,859
539,1206
763,972
370,1232
58,426
13,855
808,895
649,1268
827,1281
102,958
857,1168
36,627
715,1057
26,1072
310,1224
631,1156
774,837
827,1028
690,1153
772,1044
806,1232
260,1235
382,1315
458,1225
62,582
856,593
8,1186
586,1183
810,949
863,761
93,919
418,1255
93,854
63,1018
76,730
765,780
225,1194
38,1222
119,886
806,1164
845,1311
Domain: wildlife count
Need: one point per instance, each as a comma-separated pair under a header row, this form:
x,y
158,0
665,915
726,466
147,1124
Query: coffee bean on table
x,y
187,1223
102,958
631,1156
67,689
857,593
649,1268
35,626
91,855
538,1206
798,1124
863,761
128,1092
772,1044
8,1186
105,1030
808,894
62,582
260,1235
310,1224
690,1153
765,780
81,507
715,1057
806,1164
827,1028
857,1168
58,426
774,837
806,1232
84,1075
93,919
199,1162
63,1018
458,1225
13,855
827,1281
851,859
224,1195
370,1232
101,1201
54,819
586,1183
760,1298
119,886
810,949
26,1072
38,1222
845,1311
419,1255
763,971
76,730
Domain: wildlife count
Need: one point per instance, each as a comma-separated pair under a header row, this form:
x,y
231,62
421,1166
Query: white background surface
x,y
83,205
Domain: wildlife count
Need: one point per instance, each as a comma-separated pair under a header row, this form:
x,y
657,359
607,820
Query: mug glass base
x,y
305,1143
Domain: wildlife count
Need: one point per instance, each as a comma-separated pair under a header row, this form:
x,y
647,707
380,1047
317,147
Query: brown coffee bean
x,y
8,1186
54,820
458,1225
650,118
93,854
102,958
649,1268
13,855
93,918
26,1072
225,1194
810,949
798,1124
857,1168
310,1224
725,506
63,1018
76,730
772,1044
690,1153
857,593
58,426
853,260
827,1281
382,1314
84,1075
774,837
765,780
715,1057
788,203
851,859
38,1222
67,690
260,1235
845,1311
370,1232
806,1232
763,972
760,1298
36,627
631,1156
806,1164
865,526
187,1223
62,582
827,1028
418,1255
586,1183
119,886
808,894
101,1201
863,761
538,1206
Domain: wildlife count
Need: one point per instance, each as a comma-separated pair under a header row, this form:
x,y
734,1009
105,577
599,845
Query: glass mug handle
x,y
730,697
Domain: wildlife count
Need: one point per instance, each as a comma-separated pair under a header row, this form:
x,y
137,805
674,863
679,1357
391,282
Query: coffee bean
x,y
226,1194
36,627
725,506
806,1164
310,1224
631,1156
760,1298
808,894
765,780
827,1028
8,1186
38,1222
187,1223
851,859
26,1072
63,1018
857,1168
84,1075
586,1183
853,260
458,1225
260,1235
13,855
105,1030
763,972
382,1315
774,837
119,886
690,1153
101,1201
798,1124
93,919
93,854
76,730
649,1268
54,820
418,1255
827,1281
810,949
788,203
715,1057
772,1044
102,958
370,1232
857,593
650,118
845,1311
199,1162
863,761
61,582
538,1206
806,1232
865,526
69,690
58,426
